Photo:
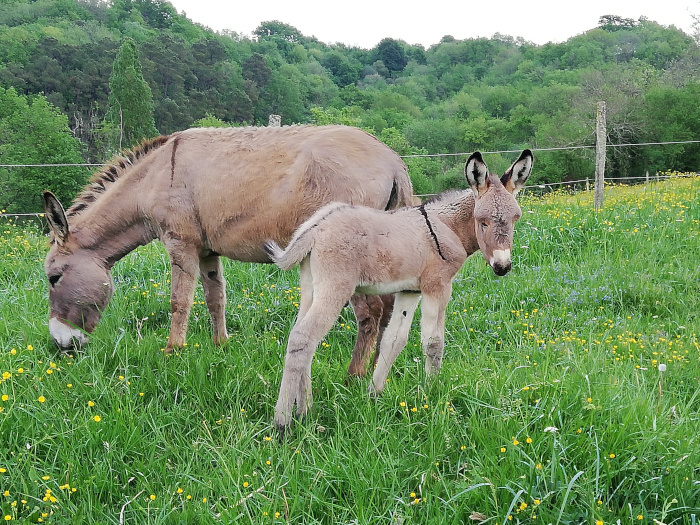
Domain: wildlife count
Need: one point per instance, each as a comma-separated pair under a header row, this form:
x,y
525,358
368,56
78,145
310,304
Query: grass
x,y
551,406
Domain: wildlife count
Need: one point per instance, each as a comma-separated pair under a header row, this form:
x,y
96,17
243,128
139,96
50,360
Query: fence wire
x,y
655,177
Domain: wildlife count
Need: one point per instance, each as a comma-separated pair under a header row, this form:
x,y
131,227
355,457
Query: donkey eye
x,y
484,225
53,279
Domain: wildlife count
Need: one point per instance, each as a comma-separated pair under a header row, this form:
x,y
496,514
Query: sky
x,y
364,23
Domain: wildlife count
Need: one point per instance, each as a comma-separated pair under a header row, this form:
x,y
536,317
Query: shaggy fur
x,y
412,252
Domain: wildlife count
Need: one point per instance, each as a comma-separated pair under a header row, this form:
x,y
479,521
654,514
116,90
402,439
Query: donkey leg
x,y
214,283
368,311
432,328
388,302
183,269
306,286
303,340
394,338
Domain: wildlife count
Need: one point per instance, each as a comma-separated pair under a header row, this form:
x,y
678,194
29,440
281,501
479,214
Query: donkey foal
x,y
411,252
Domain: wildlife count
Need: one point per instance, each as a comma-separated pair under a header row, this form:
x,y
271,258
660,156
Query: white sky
x,y
365,23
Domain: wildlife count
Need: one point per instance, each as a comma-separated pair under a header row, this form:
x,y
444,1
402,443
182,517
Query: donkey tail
x,y
302,241
282,258
401,191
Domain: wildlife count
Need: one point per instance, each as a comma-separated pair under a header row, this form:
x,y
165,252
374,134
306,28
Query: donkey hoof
x,y
281,429
283,421
373,391
220,340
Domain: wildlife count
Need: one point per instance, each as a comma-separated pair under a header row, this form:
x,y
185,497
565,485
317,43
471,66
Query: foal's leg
x,y
214,283
388,303
184,263
306,286
432,328
303,340
368,311
394,338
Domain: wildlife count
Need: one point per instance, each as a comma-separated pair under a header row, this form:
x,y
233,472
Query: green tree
x,y
35,132
210,121
392,54
674,115
274,29
344,71
616,23
130,111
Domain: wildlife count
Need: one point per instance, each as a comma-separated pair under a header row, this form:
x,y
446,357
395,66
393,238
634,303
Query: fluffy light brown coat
x,y
411,252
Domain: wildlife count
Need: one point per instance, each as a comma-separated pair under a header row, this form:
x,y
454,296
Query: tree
x,y
274,29
35,132
344,71
130,111
392,54
674,115
210,121
616,23
257,70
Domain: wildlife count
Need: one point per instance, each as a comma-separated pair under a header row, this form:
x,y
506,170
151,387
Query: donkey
x,y
411,252
206,193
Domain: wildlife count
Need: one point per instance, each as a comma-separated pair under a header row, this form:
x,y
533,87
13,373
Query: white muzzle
x,y
66,336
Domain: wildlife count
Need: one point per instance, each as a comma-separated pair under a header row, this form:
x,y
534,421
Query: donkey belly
x,y
406,285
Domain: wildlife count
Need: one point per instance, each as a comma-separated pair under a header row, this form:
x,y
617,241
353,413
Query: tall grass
x,y
551,407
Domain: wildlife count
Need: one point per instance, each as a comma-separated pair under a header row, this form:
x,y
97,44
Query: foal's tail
x,y
279,256
302,241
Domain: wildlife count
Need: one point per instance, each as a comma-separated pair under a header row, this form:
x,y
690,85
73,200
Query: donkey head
x,y
80,285
495,207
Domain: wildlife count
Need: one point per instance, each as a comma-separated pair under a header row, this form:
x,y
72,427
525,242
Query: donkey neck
x,y
456,211
111,227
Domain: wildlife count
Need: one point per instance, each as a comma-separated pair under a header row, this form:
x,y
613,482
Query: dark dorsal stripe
x,y
430,227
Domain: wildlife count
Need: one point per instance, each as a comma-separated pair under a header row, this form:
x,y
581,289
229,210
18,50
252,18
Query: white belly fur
x,y
388,288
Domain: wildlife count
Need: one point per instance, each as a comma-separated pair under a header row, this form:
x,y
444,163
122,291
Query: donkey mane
x,y
446,195
110,172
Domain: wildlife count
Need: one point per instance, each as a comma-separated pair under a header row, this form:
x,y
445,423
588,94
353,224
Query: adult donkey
x,y
206,193
412,252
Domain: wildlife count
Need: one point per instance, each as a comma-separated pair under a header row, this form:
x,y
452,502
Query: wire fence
x,y
561,148
533,187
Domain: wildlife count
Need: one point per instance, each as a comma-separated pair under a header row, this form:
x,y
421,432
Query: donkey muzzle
x,y
65,336
500,262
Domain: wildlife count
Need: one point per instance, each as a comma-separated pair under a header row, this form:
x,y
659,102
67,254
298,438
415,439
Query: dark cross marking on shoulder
x,y
430,227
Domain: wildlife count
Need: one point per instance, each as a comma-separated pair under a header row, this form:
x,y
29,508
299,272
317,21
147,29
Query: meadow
x,y
569,393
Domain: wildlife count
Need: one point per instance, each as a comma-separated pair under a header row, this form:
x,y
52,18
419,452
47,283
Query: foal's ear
x,y
516,176
56,216
477,174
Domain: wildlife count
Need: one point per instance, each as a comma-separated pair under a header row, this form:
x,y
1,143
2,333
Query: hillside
x,y
457,96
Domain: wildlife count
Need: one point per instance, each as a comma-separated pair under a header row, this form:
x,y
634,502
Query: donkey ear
x,y
516,176
477,174
56,216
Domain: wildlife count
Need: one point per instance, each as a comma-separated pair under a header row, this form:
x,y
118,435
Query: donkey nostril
x,y
502,269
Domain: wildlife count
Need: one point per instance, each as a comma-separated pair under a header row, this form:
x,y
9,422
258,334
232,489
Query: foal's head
x,y
80,286
495,207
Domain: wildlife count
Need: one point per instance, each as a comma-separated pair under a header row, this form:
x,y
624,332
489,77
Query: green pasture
x,y
569,393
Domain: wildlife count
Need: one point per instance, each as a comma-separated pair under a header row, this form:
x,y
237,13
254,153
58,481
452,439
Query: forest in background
x,y
457,96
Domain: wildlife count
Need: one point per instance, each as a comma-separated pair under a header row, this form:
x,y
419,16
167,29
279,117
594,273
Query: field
x,y
569,393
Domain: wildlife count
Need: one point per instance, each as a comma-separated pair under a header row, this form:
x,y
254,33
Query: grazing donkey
x,y
412,252
207,193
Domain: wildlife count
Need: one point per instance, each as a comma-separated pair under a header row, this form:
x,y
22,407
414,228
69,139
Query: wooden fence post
x,y
600,146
